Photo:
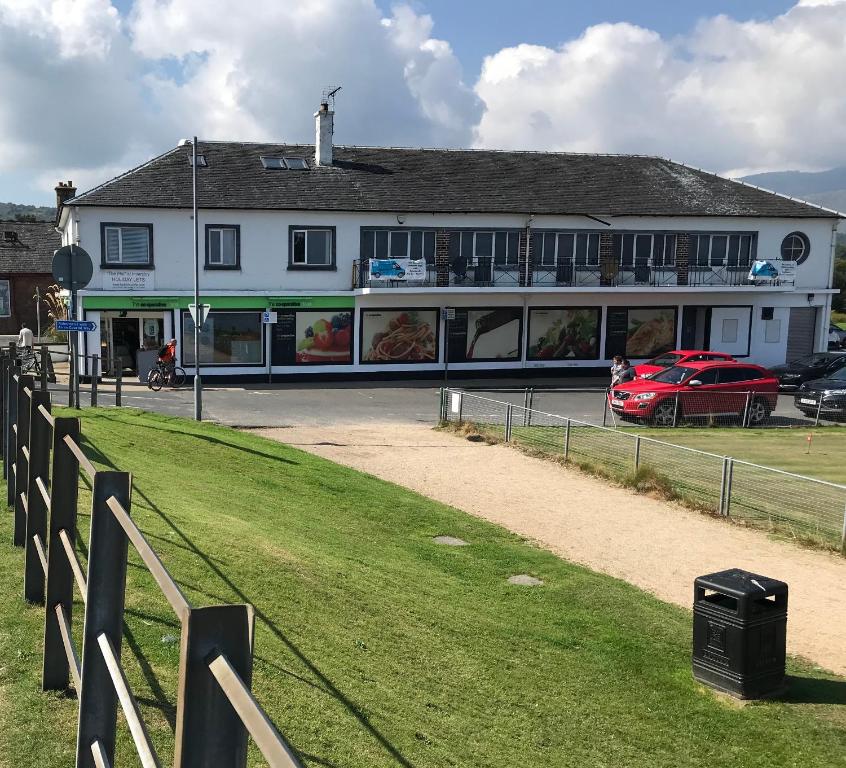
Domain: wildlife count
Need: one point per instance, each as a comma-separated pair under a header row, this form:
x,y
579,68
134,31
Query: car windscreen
x,y
675,375
838,375
815,359
665,361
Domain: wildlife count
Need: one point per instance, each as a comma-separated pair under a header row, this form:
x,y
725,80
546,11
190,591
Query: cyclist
x,y
167,354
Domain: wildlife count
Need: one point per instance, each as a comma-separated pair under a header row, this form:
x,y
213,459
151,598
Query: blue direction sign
x,y
76,326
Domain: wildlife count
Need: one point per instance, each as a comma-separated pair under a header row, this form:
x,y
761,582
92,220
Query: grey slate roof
x,y
31,250
441,181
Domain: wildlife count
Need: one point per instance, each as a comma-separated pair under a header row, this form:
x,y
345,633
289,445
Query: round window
x,y
795,247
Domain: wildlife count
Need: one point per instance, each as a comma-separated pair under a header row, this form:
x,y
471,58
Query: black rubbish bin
x,y
740,633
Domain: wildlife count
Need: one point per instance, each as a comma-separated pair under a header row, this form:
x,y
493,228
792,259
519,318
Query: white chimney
x,y
324,127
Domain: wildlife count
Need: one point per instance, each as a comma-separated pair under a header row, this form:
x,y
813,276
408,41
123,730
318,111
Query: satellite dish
x,y
72,267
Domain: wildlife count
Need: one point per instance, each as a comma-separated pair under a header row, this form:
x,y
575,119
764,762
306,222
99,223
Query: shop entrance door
x,y
126,340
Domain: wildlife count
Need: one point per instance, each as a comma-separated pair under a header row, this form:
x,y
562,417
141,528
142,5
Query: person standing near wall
x,y
25,338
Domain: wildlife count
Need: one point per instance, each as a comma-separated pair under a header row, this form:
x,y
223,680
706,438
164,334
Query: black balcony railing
x,y
483,271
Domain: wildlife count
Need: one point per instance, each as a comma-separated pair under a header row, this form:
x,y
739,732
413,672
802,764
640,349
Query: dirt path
x,y
654,545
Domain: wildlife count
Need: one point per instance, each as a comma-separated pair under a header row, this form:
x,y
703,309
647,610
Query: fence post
x,y
45,355
21,473
567,441
637,453
11,437
208,730
103,615
606,406
531,406
729,479
819,408
745,420
4,369
64,486
676,411
460,407
723,478
118,380
509,421
95,374
843,535
36,518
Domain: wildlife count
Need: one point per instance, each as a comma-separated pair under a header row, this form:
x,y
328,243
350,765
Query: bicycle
x,y
163,374
29,363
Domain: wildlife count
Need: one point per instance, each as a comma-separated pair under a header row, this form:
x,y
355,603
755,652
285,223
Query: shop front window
x,y
226,338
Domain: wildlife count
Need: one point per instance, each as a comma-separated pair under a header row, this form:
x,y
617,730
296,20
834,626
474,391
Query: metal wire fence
x,y
803,507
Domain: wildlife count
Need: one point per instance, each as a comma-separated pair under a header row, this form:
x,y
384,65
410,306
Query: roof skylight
x,y
284,163
201,161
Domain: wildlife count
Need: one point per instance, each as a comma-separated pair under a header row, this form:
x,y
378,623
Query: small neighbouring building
x,y
396,262
26,262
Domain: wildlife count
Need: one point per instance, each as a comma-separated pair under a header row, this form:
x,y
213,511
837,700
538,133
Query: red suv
x,y
696,390
679,357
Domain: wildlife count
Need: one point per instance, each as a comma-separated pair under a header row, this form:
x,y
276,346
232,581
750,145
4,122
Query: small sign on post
x,y
204,313
76,326
448,313
268,317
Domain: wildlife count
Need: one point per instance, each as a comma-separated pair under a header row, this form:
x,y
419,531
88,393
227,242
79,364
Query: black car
x,y
815,366
825,396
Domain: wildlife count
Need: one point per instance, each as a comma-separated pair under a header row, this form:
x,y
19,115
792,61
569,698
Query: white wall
x,y
264,241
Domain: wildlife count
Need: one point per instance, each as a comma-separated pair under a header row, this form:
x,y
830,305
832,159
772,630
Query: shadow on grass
x,y
100,457
326,685
814,690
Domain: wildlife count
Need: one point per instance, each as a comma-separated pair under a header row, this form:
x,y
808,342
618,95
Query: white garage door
x,y
730,330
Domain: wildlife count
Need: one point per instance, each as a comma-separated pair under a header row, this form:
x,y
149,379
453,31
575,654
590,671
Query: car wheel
x,y
665,414
759,411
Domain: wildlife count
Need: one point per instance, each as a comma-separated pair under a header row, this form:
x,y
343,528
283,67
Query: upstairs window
x,y
472,247
795,247
223,246
721,250
398,244
565,248
127,245
311,248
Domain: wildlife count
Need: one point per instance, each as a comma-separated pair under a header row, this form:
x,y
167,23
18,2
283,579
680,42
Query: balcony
x,y
483,272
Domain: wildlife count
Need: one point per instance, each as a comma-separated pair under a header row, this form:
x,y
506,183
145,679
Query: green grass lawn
x,y
376,647
787,449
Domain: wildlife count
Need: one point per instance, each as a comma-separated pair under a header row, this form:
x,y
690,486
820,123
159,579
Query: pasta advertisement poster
x,y
564,334
640,332
399,336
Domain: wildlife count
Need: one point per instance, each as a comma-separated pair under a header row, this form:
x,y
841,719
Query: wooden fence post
x,y
36,518
4,371
21,473
95,374
208,730
45,356
64,489
107,548
11,441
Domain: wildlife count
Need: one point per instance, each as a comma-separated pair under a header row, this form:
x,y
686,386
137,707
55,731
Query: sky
x,y
91,88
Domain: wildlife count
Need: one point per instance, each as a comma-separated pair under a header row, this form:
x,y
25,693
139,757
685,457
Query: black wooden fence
x,y
215,709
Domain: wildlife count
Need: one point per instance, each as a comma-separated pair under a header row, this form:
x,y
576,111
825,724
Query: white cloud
x,y
85,91
730,94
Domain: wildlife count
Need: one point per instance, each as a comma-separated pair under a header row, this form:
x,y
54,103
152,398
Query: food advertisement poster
x,y
564,334
485,334
312,337
324,337
399,336
640,332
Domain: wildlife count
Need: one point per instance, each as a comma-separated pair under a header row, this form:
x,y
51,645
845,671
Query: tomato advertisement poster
x,y
324,336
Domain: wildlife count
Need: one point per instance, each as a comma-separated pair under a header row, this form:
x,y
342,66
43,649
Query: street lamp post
x,y
198,384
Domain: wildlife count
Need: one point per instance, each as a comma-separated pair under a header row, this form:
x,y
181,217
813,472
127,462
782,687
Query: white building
x,y
550,261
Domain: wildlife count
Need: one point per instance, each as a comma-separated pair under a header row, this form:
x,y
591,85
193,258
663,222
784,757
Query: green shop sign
x,y
147,303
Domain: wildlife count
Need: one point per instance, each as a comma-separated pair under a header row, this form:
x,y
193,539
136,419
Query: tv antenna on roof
x,y
329,93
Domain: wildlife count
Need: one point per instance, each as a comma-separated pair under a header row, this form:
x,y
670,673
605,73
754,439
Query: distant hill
x,y
826,188
19,212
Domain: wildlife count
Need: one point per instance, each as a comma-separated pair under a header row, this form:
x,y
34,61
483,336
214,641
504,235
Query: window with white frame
x,y
722,250
645,249
565,249
312,247
398,244
5,299
482,246
223,246
127,245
